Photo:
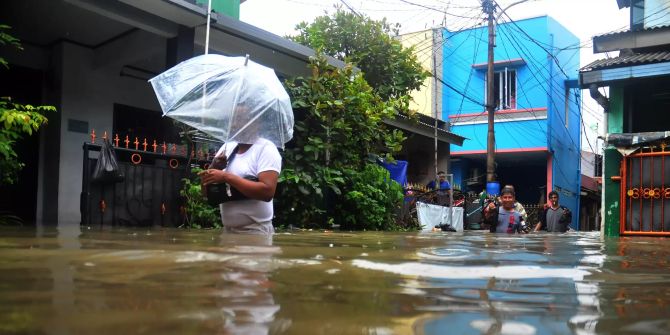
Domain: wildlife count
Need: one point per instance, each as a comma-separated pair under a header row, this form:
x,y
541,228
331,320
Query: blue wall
x,y
464,48
565,140
541,84
509,135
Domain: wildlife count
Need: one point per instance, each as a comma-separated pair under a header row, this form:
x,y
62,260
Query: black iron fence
x,y
149,194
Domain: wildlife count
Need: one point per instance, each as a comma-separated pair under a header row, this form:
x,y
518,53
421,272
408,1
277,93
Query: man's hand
x,y
489,209
213,176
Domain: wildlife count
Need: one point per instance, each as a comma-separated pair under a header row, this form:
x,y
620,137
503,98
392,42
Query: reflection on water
x,y
117,281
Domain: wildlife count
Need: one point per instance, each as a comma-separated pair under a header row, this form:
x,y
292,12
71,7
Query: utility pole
x,y
435,107
489,9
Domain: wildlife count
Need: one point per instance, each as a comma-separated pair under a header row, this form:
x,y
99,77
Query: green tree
x,y
339,127
16,121
391,69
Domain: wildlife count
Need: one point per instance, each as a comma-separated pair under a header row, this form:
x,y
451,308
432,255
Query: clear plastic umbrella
x,y
229,98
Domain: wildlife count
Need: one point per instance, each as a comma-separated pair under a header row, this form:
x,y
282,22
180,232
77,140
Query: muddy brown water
x,y
69,280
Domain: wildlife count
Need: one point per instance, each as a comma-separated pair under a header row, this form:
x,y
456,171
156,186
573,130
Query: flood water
x,y
164,281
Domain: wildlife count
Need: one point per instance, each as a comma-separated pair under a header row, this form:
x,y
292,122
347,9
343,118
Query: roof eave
x,y
426,130
231,36
608,76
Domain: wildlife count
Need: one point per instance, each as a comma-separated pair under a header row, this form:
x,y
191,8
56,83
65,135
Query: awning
x,y
639,65
421,127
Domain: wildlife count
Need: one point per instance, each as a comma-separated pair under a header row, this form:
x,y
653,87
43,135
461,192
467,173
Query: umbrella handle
x,y
246,60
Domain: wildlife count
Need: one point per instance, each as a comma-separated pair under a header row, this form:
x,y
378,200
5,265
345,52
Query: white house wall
x,y
89,93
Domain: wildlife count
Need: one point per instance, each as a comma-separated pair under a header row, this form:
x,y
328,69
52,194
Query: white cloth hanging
x,y
434,215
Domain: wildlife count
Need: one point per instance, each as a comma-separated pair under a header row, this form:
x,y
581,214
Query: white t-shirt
x,y
260,157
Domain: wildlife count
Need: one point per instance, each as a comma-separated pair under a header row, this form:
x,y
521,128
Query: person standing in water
x,y
253,170
554,218
504,218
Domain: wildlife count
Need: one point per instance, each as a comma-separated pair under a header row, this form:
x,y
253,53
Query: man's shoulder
x,y
261,142
560,209
266,151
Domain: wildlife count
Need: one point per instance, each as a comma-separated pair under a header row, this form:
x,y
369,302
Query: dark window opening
x,y
646,106
504,88
142,123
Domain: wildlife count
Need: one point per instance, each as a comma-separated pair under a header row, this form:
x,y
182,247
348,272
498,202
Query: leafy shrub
x,y
199,214
372,201
339,125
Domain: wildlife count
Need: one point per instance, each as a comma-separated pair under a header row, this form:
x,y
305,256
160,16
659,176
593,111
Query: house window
x,y
504,86
143,123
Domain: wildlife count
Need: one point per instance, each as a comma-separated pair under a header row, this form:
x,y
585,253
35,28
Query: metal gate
x,y
645,194
149,195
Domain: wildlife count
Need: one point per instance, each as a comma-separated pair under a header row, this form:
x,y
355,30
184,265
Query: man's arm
x,y
542,219
519,208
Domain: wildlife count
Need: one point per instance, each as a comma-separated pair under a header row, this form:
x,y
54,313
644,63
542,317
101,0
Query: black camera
x,y
445,227
220,193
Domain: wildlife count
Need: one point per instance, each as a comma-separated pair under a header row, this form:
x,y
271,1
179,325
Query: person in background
x,y
554,218
444,184
504,218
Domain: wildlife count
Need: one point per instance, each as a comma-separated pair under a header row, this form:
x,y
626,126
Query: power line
x,y
351,9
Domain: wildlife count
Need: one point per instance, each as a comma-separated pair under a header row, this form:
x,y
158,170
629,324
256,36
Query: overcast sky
x,y
585,18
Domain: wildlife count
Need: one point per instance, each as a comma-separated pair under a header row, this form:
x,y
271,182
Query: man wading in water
x,y
504,218
555,218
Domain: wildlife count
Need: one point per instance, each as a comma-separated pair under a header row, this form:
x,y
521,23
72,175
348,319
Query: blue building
x,y
538,115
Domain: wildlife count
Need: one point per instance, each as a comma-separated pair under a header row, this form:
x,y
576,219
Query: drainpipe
x,y
604,103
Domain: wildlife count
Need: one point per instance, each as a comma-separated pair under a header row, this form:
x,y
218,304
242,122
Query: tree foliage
x,y
7,39
16,121
391,69
338,128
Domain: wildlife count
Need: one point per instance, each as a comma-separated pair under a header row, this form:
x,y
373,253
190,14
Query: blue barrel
x,y
493,188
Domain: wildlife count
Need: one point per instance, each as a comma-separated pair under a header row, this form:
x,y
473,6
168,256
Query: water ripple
x,y
472,272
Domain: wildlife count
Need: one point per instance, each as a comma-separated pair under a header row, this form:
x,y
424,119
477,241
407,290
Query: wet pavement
x,y
165,281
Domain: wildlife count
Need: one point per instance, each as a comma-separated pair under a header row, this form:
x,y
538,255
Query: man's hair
x,y
509,186
553,193
441,172
507,190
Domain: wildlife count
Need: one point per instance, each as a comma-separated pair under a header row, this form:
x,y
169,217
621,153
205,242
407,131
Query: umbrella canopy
x,y
229,98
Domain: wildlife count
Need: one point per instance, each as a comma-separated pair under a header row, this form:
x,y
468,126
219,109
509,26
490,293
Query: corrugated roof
x,y
628,31
634,59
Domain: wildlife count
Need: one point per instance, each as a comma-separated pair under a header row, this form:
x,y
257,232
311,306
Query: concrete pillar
x,y
612,164
50,142
180,48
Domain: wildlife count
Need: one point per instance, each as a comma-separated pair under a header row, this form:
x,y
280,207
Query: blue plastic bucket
x,y
493,188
